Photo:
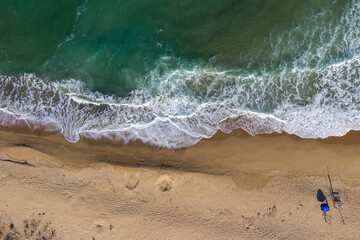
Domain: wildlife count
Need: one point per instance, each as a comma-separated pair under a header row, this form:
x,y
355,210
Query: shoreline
x,y
221,154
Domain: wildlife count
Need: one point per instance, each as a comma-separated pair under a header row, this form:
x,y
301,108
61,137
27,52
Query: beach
x,y
183,119
231,186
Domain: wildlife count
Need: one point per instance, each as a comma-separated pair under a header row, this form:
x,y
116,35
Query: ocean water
x,y
170,73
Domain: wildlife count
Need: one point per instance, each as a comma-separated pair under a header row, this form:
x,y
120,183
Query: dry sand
x,y
228,187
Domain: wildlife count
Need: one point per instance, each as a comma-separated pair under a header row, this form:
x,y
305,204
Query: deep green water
x,y
194,66
112,45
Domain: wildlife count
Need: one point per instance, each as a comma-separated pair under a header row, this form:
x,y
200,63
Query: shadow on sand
x,y
320,196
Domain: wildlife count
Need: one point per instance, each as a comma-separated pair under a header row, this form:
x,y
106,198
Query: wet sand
x,y
228,187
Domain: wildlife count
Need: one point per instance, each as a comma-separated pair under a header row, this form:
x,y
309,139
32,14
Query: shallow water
x,y
171,73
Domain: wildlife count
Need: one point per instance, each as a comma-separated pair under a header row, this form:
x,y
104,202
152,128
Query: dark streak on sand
x,y
17,162
23,145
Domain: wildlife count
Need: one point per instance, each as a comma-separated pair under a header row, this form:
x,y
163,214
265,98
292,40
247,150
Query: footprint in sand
x,y
132,181
164,183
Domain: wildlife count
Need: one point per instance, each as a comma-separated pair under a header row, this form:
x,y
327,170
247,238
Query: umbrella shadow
x,y
320,196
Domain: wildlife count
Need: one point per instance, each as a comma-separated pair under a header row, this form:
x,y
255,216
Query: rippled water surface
x,y
173,72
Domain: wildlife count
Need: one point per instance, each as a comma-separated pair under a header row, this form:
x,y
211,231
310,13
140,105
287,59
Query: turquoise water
x,y
173,72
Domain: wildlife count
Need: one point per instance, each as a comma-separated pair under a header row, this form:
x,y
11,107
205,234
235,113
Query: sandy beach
x,y
180,119
228,187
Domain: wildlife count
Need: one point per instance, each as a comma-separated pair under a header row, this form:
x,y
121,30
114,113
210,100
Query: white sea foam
x,y
313,96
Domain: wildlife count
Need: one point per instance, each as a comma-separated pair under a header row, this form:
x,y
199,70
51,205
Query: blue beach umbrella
x,y
324,207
